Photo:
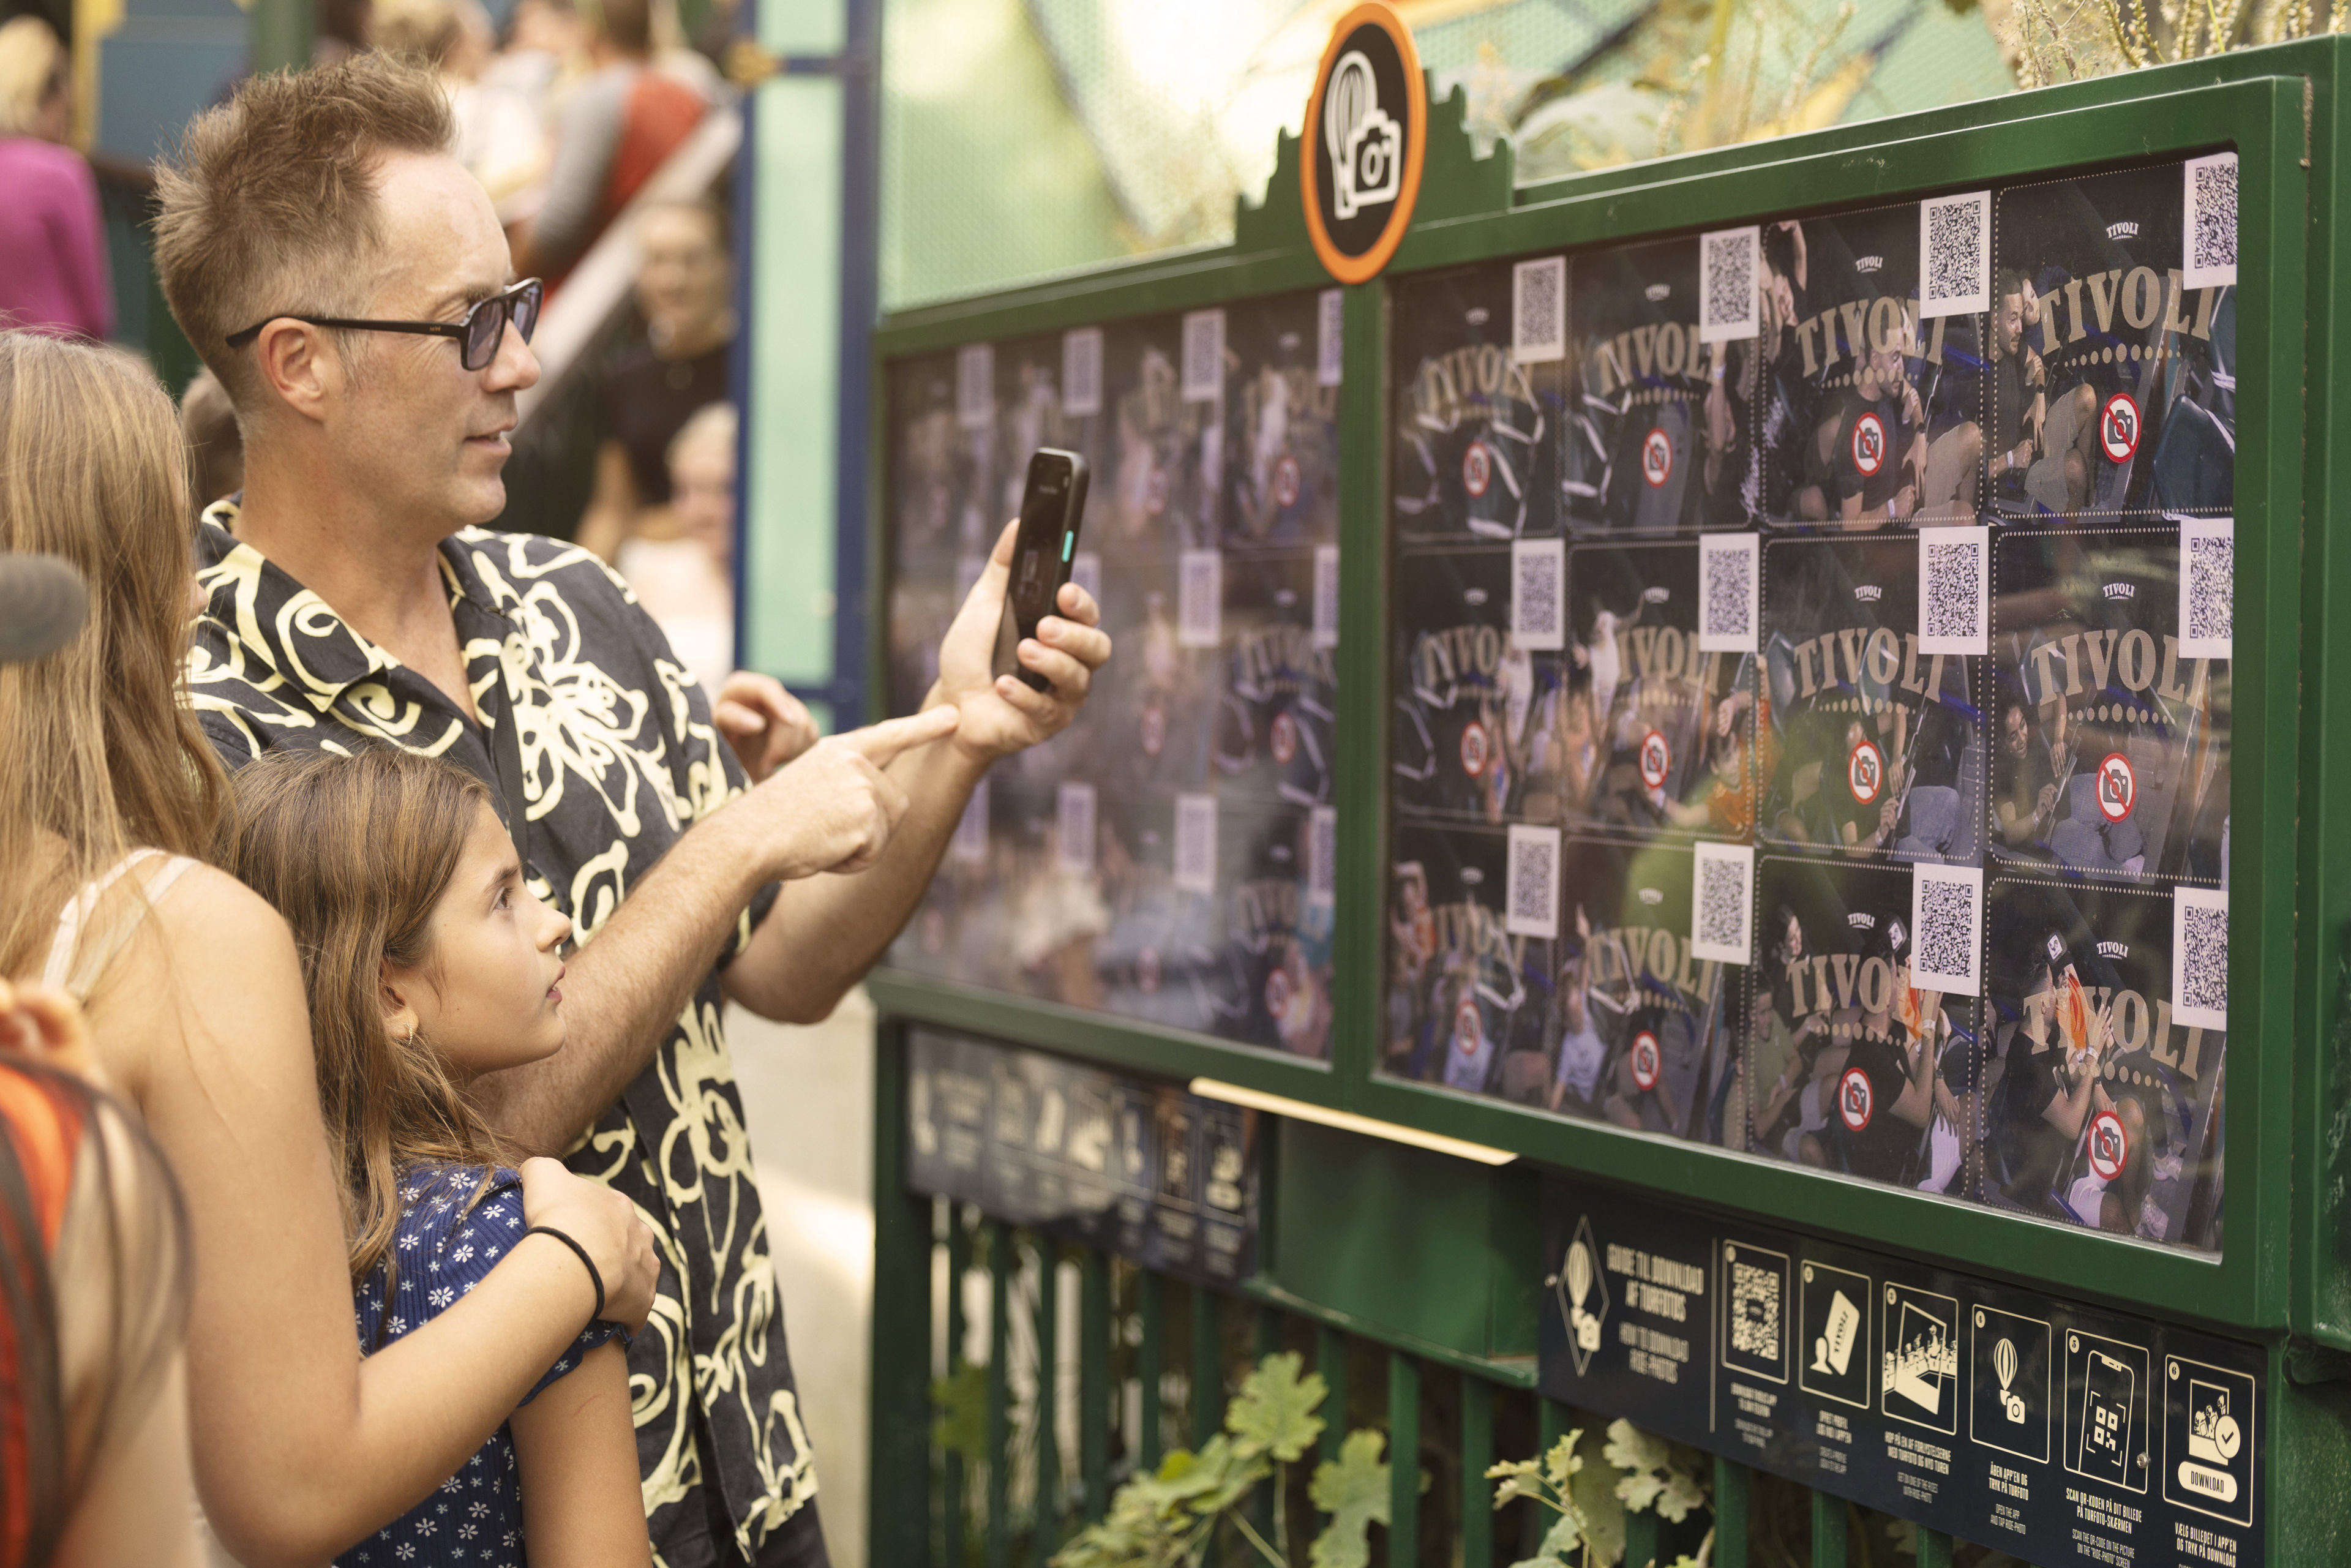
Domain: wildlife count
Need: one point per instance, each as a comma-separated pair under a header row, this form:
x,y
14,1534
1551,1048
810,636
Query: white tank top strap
x,y
78,952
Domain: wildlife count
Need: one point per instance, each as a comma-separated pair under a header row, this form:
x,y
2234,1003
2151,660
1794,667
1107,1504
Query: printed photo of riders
x,y
1902,855
1169,857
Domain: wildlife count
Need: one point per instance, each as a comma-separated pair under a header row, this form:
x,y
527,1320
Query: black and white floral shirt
x,y
619,759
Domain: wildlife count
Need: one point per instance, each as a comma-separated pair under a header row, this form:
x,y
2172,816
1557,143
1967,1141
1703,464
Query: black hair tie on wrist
x,y
585,1261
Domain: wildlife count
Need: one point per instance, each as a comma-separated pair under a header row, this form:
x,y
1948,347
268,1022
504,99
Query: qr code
x,y
1074,828
1326,596
1723,877
976,385
1538,608
1204,356
1953,566
1727,294
1323,856
1727,585
1200,599
1721,900
2208,569
1945,928
2200,957
1330,336
969,846
1755,1311
1082,372
2210,248
1531,908
1538,310
1196,843
1955,251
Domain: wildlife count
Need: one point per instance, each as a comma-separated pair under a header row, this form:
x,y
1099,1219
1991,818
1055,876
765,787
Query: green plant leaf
x,y
1519,1478
1274,1411
1561,1463
1682,1493
1630,1448
1354,1490
1593,1492
961,1400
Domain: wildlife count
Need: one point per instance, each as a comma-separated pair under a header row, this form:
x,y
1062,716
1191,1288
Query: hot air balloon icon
x,y
2004,1362
1579,1287
1582,1294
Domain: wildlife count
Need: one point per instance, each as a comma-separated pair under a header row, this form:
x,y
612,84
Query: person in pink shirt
x,y
53,270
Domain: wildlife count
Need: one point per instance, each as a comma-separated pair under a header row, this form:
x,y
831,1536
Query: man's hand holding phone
x,y
1001,714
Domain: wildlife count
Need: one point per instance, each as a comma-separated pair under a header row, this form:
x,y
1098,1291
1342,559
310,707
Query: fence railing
x,y
1021,1378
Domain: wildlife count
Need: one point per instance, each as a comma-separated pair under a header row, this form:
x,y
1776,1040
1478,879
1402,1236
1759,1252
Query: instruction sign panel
x,y
2062,1434
1131,1165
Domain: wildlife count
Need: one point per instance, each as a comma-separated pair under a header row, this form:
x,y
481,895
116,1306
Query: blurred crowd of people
x,y
563,112
354,1203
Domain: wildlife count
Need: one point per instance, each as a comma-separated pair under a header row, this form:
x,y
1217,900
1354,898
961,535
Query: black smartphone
x,y
1052,506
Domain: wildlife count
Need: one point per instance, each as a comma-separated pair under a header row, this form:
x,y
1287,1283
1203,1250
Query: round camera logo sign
x,y
1285,482
1855,1100
1656,760
1868,445
1647,1062
2107,1146
1657,457
1477,469
1473,748
2118,427
2117,787
1366,132
1865,771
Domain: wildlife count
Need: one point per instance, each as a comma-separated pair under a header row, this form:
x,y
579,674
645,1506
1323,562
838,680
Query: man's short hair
x,y
271,202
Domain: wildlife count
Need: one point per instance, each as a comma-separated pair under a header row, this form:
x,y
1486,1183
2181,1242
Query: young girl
x,y
428,964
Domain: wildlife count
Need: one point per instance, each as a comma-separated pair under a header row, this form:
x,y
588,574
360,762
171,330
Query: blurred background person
x,y
650,386
502,135
619,127
686,582
54,276
215,446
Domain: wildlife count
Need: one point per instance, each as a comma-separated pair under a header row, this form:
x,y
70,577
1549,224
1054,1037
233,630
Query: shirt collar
x,y
261,609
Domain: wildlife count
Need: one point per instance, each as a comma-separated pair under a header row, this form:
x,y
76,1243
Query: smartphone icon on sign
x,y
2107,1387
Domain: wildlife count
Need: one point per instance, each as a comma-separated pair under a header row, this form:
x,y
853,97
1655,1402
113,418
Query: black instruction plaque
x,y
2060,1433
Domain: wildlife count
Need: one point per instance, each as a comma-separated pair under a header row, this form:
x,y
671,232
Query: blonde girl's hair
x,y
356,851
103,751
32,67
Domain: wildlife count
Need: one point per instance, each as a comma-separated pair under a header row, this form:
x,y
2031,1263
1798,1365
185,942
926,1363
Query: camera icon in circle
x,y
1365,143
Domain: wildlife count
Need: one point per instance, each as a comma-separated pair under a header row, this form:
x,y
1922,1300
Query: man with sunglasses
x,y
347,282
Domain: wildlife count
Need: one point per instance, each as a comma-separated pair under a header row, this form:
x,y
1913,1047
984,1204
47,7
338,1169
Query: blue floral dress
x,y
474,1520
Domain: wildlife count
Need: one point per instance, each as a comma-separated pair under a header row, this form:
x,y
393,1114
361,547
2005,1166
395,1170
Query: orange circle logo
x,y
1366,133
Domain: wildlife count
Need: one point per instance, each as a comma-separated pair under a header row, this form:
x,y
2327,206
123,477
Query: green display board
x,y
1796,678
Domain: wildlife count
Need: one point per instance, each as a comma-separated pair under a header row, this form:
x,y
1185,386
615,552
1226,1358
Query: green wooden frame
x,y
2283,1264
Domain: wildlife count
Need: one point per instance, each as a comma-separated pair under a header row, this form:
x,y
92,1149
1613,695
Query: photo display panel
x,y
1832,764
1170,857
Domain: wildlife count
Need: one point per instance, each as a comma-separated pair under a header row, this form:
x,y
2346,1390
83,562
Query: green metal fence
x,y
1416,1283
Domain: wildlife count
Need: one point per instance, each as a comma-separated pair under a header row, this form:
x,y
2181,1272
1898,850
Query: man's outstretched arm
x,y
833,808
823,934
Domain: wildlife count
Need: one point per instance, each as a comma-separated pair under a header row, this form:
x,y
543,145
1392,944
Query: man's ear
x,y
300,364
396,993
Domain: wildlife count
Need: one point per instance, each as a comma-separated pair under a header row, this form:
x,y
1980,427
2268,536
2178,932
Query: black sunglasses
x,y
478,335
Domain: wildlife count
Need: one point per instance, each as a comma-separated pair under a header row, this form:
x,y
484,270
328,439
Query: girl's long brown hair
x,y
355,853
101,752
